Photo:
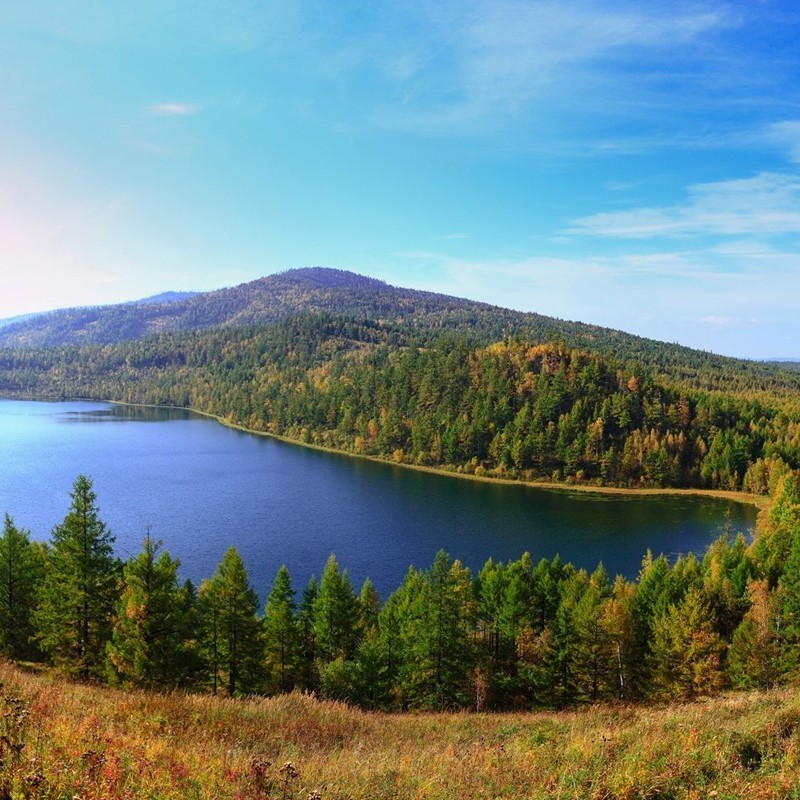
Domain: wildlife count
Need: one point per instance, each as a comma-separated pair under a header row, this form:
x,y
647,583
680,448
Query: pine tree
x,y
336,615
307,673
147,643
281,635
370,604
564,676
437,653
232,633
592,650
75,614
686,651
789,585
22,567
754,657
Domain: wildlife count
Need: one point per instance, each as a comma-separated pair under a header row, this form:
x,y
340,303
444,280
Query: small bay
x,y
201,487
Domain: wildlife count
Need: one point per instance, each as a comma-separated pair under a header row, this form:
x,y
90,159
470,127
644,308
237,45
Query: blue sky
x,y
629,164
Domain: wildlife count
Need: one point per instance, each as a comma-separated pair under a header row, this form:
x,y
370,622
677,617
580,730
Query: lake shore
x,y
761,502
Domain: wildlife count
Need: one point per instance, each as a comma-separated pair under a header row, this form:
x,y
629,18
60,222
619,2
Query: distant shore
x,y
761,502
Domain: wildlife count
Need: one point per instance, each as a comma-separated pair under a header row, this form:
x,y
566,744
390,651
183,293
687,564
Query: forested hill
x,y
416,315
272,299
340,360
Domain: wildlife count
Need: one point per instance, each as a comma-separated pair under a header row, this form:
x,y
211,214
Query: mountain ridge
x,y
413,313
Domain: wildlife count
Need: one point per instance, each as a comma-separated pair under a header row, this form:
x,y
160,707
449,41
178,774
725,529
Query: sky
x,y
634,165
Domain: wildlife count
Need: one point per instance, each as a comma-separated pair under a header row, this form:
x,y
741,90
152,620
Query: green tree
x,y
437,654
307,673
337,615
22,567
754,657
232,633
76,610
281,635
686,651
147,643
593,648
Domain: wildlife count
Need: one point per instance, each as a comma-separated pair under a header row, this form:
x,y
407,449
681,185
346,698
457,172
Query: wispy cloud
x,y
786,135
173,109
729,322
766,204
495,59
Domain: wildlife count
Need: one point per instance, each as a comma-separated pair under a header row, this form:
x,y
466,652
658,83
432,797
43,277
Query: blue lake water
x,y
201,487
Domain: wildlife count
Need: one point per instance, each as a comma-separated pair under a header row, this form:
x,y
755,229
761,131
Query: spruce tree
x,y
686,651
74,618
281,635
22,566
337,615
232,632
147,641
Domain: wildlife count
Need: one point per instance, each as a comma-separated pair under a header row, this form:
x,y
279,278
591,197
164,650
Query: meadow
x,y
66,740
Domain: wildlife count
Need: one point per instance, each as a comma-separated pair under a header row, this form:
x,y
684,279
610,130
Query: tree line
x,y
514,408
515,635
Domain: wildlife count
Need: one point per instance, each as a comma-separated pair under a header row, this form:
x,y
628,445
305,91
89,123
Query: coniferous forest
x,y
330,359
517,635
514,408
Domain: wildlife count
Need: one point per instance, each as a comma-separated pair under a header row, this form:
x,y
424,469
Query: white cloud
x,y
499,58
173,109
766,204
715,299
728,322
786,135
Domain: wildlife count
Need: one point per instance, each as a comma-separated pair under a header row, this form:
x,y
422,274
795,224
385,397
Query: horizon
x,y
634,168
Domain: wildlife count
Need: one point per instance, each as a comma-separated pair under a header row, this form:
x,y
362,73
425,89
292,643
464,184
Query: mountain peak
x,y
331,278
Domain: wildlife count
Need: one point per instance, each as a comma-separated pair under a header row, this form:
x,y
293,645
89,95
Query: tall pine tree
x,y
232,633
147,643
281,635
74,618
22,566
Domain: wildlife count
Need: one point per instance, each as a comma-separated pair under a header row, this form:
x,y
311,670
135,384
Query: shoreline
x,y
760,502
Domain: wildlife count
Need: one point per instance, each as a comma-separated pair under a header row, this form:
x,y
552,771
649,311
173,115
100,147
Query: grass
x,y
60,740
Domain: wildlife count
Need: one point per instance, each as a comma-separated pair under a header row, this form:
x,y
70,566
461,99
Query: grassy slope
x,y
95,742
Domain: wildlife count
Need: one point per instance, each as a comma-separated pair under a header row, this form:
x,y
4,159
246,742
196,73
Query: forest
x,y
514,408
516,635
334,360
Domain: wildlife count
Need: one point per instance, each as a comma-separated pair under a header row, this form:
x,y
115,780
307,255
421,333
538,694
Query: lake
x,y
201,487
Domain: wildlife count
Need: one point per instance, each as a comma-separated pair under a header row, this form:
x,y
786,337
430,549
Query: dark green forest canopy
x,y
530,406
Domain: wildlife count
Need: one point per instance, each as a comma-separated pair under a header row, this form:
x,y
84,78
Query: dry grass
x,y
95,742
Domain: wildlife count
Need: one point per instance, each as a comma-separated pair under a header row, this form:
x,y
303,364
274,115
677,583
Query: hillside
x,y
414,315
338,360
67,740
514,408
263,302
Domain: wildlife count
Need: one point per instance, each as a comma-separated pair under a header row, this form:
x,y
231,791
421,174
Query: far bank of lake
x,y
200,487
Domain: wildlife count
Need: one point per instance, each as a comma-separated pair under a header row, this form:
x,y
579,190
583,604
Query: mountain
x,y
165,297
25,320
15,320
264,301
414,315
